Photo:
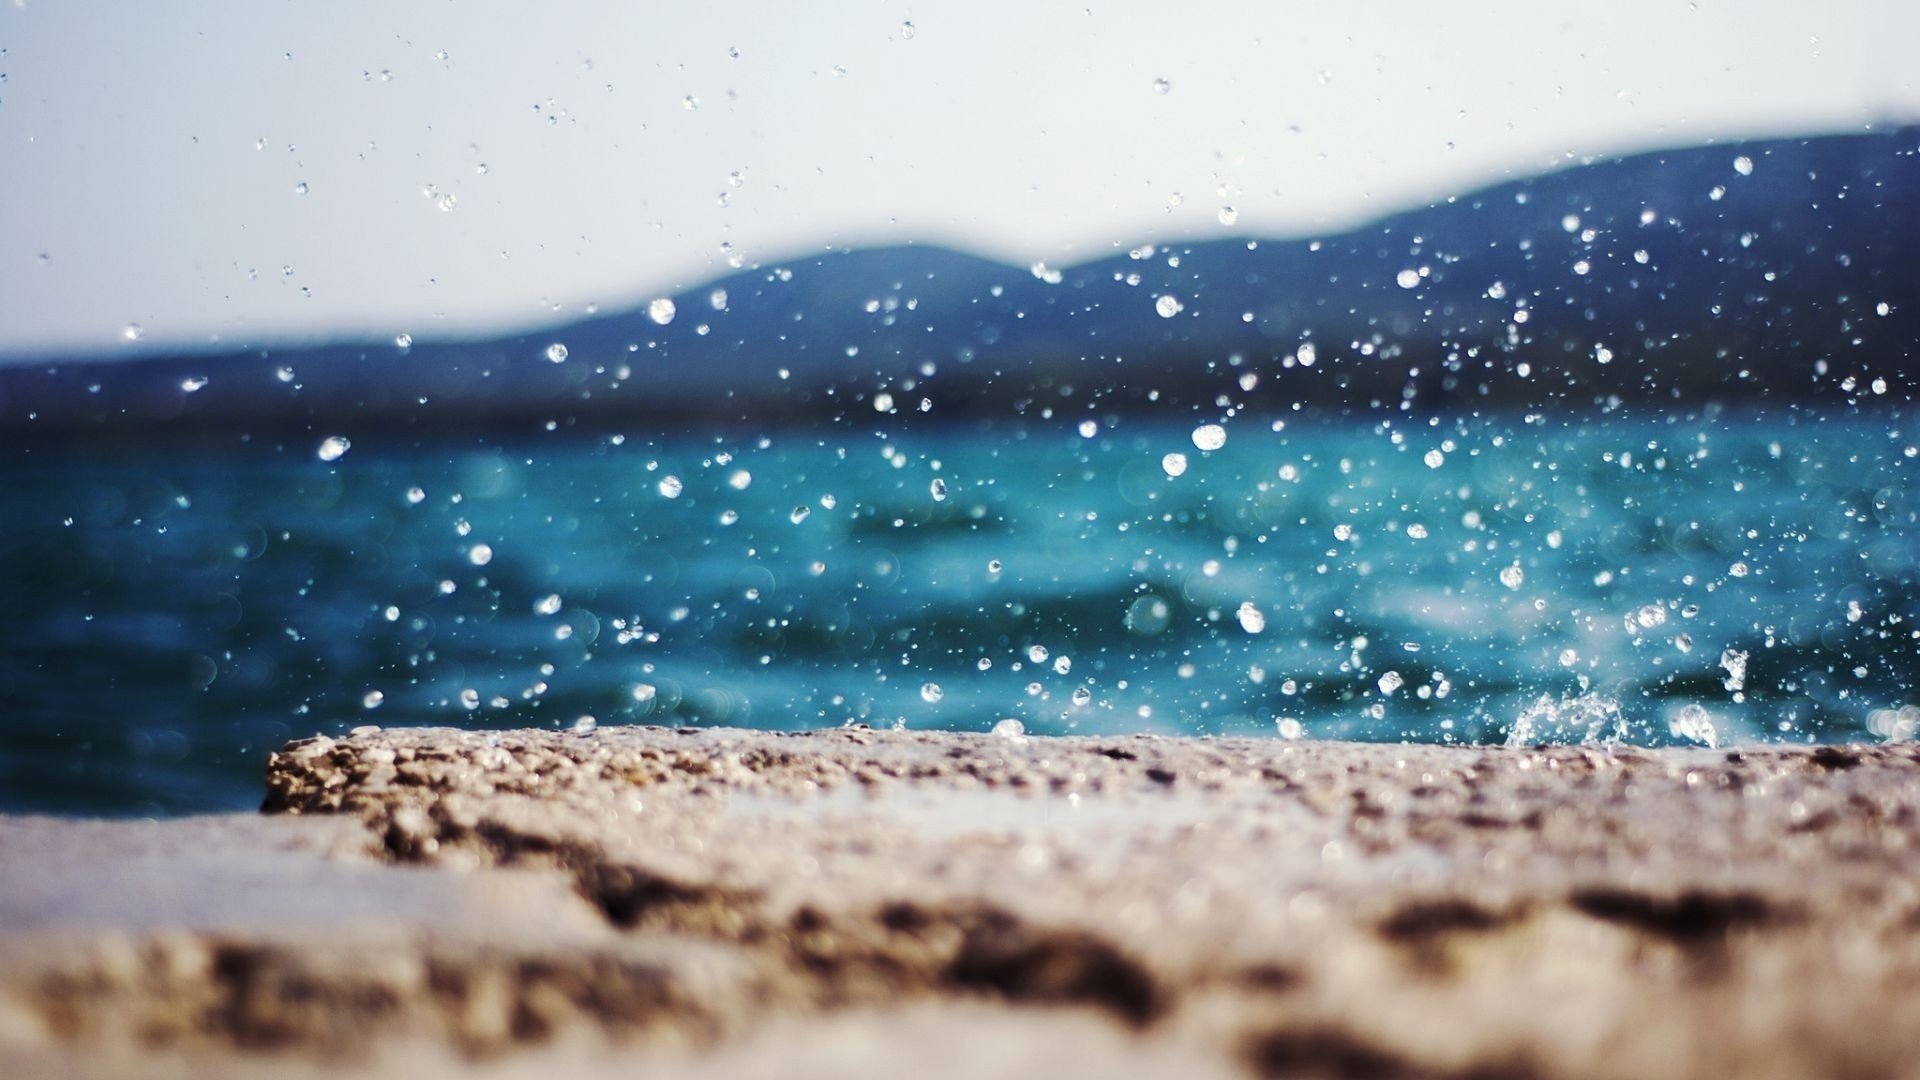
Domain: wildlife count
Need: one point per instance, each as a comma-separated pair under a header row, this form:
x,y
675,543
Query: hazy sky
x,y
488,165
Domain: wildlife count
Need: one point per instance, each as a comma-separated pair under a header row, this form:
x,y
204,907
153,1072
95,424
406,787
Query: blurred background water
x,y
171,612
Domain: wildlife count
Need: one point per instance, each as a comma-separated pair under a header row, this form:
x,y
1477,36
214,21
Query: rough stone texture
x,y
736,903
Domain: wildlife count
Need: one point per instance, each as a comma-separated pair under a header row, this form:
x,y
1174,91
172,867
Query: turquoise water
x,y
172,612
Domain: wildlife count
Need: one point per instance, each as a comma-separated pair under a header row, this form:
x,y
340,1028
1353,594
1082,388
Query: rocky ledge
x,y
716,902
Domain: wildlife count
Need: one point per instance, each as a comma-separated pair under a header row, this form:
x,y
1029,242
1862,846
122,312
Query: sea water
x,y
171,612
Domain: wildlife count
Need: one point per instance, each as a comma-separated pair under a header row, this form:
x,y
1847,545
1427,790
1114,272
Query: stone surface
x,y
425,902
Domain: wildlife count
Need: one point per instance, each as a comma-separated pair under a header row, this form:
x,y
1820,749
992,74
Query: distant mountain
x,y
1760,270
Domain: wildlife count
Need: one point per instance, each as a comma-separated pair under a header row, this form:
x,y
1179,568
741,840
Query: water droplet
x,y
1228,215
1252,619
1168,306
372,699
403,341
416,496
1435,458
1089,428
1288,727
1513,577
1743,165
585,725
1082,695
1149,615
1390,682
670,487
740,479
1734,662
480,554
1209,436
938,489
931,693
547,605
907,30
1162,86
132,332
193,383
799,513
1408,278
556,352
660,311
1694,724
1010,729
470,699
333,446
1174,464
1037,653
300,188
1895,725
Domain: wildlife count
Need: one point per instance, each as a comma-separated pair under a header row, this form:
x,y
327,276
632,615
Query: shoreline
x,y
726,902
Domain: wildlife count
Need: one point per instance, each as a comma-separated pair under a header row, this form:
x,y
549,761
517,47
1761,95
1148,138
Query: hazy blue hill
x,y
1739,282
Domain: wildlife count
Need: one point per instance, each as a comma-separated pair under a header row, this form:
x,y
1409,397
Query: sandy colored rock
x,y
711,902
